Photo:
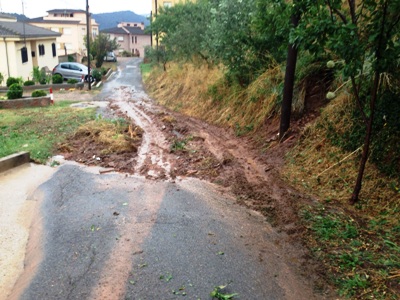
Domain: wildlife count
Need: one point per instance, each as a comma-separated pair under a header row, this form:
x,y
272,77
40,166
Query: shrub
x,y
39,93
11,81
15,91
57,78
104,71
29,82
96,74
72,81
126,54
1,78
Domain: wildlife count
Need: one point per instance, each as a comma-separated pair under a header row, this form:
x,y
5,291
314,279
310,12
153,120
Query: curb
x,y
14,160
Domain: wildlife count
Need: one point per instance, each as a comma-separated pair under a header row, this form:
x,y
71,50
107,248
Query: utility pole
x,y
88,43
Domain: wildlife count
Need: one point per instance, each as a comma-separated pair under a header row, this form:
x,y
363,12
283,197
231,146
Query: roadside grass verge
x,y
359,246
145,69
201,91
39,130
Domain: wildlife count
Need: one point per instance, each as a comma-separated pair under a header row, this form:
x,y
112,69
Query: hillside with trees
x,y
322,76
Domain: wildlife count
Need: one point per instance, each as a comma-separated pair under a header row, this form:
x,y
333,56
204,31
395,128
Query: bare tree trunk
x,y
291,61
367,142
374,96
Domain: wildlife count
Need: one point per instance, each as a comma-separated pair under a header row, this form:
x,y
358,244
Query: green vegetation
x,y
39,93
96,75
100,46
15,91
57,78
346,63
38,130
72,81
12,80
29,83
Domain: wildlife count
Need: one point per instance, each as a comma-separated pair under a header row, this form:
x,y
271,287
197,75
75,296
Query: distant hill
x,y
20,18
109,20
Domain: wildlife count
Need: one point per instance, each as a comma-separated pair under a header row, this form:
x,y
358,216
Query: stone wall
x,y
25,102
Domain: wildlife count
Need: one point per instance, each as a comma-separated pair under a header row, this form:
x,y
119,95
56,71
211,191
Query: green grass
x,y
146,69
39,130
362,258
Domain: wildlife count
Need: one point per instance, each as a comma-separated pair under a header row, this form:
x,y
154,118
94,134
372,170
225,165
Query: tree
x,y
100,46
181,31
364,35
291,61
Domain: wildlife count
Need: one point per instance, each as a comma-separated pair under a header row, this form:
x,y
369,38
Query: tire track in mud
x,y
152,160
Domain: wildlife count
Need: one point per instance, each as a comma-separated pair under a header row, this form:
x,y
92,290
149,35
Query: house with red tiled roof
x,y
131,38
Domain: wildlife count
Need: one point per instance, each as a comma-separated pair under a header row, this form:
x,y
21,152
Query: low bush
x,y
15,91
11,81
29,82
43,80
39,93
57,78
103,71
72,81
96,74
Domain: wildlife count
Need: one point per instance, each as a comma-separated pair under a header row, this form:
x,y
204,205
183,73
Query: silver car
x,y
72,70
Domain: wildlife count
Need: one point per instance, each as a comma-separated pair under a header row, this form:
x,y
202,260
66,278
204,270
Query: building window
x,y
41,50
53,49
120,39
33,54
24,55
135,39
167,4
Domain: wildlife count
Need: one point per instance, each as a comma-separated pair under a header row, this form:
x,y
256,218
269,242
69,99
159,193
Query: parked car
x,y
72,70
110,56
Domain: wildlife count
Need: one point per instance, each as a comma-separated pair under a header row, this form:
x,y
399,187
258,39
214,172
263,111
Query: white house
x,y
71,24
23,46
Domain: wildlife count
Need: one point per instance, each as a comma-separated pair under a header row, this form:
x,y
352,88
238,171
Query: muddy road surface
x,y
176,223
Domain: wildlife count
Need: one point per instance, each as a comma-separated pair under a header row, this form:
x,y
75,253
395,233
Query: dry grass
x,y
364,266
358,246
199,91
328,171
116,137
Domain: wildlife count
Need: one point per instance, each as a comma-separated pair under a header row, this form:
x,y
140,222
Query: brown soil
x,y
178,146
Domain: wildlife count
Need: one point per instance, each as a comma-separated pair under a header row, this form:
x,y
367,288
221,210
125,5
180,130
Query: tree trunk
x,y
291,61
374,95
367,142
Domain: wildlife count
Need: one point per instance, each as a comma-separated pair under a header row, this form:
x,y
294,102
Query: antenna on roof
x,y
23,22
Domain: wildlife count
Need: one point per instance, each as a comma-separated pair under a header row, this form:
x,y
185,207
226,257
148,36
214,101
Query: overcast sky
x,y
38,8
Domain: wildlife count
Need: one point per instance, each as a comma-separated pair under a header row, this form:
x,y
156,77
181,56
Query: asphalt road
x,y
114,236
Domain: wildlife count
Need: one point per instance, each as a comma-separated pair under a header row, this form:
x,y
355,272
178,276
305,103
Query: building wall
x,y
46,60
72,35
130,44
24,70
163,3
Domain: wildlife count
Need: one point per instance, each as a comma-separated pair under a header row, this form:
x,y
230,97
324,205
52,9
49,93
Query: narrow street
x,y
152,234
